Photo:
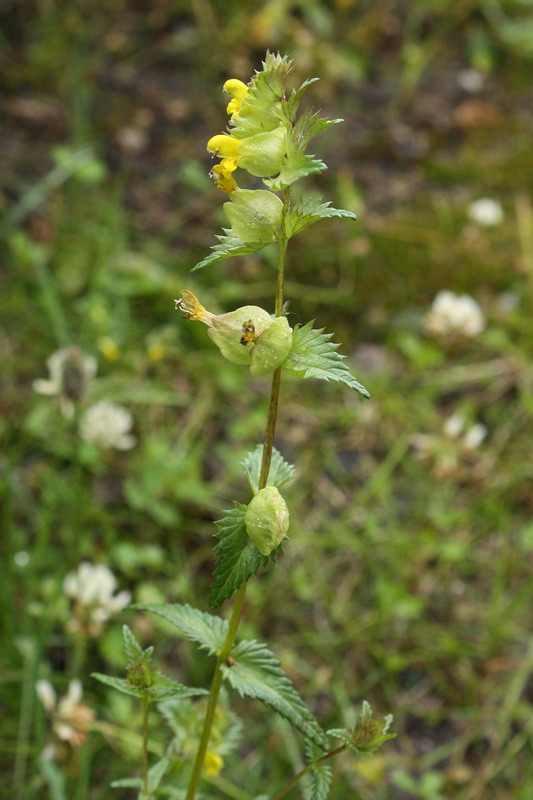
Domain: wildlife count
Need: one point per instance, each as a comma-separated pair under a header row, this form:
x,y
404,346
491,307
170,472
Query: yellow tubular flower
x,y
223,146
238,91
191,308
223,177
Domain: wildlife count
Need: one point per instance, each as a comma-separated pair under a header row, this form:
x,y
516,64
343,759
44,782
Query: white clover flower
x,y
470,439
92,587
471,80
107,425
71,371
454,315
71,719
452,452
486,212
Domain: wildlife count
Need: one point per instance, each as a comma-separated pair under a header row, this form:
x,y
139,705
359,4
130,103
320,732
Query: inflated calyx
x,y
267,519
248,335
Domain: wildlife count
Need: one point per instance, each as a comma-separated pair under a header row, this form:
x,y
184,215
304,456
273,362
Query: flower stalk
x,y
270,429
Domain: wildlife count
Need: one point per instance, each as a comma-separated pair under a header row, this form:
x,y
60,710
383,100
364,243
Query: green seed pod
x,y
228,331
267,519
271,347
254,214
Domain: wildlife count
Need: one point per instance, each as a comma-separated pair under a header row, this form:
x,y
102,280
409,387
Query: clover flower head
x,y
92,589
71,371
486,212
454,315
107,425
453,450
71,719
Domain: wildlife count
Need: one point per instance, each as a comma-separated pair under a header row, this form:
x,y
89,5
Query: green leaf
x,y
368,734
161,689
313,355
155,776
237,556
297,165
205,629
294,100
229,246
261,110
318,781
310,210
280,470
132,648
256,672
310,125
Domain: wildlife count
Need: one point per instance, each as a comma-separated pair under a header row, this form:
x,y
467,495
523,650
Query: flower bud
x,y
267,519
271,347
254,214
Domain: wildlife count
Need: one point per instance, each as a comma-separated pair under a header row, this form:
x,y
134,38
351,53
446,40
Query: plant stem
x,y
235,618
146,705
294,780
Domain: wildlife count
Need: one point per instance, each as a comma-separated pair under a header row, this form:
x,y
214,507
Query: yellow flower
x,y
213,764
260,155
223,177
238,91
224,146
191,308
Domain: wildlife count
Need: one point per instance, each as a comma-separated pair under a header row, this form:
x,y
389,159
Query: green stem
x,y
235,618
294,780
146,706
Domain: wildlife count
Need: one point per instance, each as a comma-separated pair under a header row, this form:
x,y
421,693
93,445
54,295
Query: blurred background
x,y
407,580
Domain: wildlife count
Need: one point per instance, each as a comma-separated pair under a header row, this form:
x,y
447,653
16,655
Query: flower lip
x,y
223,145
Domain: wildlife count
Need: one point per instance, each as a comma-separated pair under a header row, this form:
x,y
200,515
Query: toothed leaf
x,y
161,688
297,165
313,355
280,470
256,672
229,246
237,556
198,626
309,211
318,781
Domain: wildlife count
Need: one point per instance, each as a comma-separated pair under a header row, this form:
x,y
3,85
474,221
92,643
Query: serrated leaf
x,y
309,211
280,470
199,626
297,165
256,672
310,125
132,648
229,246
318,781
295,99
161,689
313,355
261,110
237,556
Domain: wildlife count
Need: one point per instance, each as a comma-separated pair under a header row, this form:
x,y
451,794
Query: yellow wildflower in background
x,y
213,764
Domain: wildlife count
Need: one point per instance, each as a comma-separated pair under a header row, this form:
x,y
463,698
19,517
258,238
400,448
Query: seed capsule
x,y
271,347
267,519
